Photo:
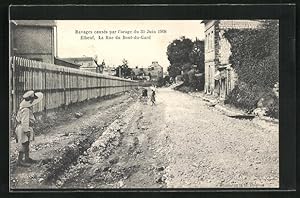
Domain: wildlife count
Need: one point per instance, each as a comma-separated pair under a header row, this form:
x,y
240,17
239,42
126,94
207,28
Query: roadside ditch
x,y
63,146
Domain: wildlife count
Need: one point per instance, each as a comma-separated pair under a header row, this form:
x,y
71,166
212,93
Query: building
x,y
86,63
219,75
140,73
110,71
61,62
33,39
152,72
155,71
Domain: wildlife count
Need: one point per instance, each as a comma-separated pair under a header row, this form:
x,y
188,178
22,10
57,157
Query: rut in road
x,y
61,145
179,143
125,156
182,142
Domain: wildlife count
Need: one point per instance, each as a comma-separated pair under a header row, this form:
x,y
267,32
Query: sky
x,y
139,52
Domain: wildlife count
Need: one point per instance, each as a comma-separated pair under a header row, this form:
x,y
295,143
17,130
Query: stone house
x,y
219,76
139,73
33,39
152,72
155,71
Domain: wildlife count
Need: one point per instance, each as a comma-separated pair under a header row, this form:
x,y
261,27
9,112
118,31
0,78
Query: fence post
x,y
12,90
77,84
65,94
45,90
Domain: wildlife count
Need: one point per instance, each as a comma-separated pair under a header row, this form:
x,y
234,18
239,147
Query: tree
x,y
183,53
161,82
179,50
123,70
167,79
174,71
197,55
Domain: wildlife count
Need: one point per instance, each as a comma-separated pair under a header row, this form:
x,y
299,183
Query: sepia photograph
x,y
129,104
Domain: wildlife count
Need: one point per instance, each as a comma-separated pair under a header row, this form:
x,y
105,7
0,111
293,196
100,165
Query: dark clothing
x,y
153,97
145,93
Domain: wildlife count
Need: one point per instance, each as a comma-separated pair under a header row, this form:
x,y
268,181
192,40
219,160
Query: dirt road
x,y
179,143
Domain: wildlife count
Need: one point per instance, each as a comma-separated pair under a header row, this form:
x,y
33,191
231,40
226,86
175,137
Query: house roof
x,y
78,59
60,59
73,59
44,23
154,64
205,21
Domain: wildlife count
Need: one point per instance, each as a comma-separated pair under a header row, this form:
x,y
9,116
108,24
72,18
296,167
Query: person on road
x,y
24,131
145,95
153,95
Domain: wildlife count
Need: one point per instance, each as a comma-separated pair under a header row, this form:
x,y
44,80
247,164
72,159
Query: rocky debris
x,y
161,168
78,115
121,184
213,103
41,180
114,160
99,151
59,183
66,134
161,179
68,154
245,116
260,111
144,127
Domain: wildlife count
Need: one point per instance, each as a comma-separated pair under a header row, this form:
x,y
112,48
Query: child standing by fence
x,y
24,131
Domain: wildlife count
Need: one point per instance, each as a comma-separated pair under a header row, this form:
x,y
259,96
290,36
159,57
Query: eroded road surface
x,y
180,142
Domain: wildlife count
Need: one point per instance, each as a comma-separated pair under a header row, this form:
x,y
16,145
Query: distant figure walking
x,y
144,96
24,131
153,95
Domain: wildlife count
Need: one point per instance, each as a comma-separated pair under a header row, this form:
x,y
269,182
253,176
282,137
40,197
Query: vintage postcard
x,y
128,104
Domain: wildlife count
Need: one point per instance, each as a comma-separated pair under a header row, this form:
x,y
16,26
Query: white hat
x,y
37,97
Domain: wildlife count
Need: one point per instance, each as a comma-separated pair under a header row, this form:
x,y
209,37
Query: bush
x,y
247,97
161,82
244,96
255,58
194,82
184,88
273,110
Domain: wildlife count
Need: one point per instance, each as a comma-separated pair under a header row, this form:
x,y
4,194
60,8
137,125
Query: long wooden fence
x,y
60,85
